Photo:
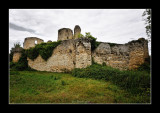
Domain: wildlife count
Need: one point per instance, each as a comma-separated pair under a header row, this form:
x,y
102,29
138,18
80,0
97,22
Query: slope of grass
x,y
48,87
136,82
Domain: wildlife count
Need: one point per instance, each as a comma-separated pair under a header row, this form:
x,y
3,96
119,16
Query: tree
x,y
147,18
17,45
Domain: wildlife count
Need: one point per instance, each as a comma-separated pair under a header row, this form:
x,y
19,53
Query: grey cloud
x,y
19,28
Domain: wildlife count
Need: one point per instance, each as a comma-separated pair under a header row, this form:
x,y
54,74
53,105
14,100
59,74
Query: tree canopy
x,y
147,18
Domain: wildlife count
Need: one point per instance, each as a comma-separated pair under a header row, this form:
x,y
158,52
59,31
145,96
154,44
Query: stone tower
x,y
77,31
16,54
65,34
31,42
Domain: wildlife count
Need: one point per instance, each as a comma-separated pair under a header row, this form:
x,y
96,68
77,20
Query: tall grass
x,y
136,82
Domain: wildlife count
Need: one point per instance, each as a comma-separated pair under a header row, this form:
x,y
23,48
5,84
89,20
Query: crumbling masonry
x,y
76,52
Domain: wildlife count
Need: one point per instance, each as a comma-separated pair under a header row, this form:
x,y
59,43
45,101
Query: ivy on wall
x,y
22,64
43,49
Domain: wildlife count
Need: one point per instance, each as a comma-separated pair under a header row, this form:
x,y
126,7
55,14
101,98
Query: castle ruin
x,y
76,52
31,42
67,33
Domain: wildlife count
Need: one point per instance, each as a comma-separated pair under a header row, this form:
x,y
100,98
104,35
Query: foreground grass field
x,y
48,87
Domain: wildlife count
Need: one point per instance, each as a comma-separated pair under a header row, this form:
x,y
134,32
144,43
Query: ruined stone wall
x,y
31,42
68,55
65,34
116,56
76,53
122,56
83,53
16,56
138,53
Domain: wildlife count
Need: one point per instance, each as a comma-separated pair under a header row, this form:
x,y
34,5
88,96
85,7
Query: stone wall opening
x,y
35,42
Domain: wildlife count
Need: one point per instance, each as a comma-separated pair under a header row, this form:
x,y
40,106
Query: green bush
x,y
32,53
80,35
94,43
133,81
22,64
44,49
12,64
103,64
144,67
11,56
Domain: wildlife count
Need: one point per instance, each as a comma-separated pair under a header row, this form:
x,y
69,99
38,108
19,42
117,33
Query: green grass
x,y
48,87
136,82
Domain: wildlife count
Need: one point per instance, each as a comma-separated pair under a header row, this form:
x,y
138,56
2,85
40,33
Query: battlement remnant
x,y
77,31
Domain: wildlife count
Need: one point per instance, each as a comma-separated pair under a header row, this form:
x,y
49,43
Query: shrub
x,y
12,64
32,53
80,35
44,49
22,64
94,43
133,81
144,67
17,45
11,56
103,64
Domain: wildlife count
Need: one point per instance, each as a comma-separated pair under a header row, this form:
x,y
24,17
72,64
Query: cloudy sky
x,y
107,25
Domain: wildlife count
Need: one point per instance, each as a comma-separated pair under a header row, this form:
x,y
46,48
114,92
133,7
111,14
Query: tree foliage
x,y
147,18
94,43
80,35
17,45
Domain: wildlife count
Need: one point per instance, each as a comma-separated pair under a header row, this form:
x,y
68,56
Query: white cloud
x,y
108,25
